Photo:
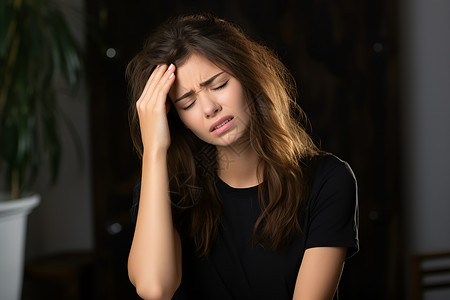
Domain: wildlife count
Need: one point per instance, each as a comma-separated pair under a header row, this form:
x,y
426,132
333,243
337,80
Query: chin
x,y
227,139
239,141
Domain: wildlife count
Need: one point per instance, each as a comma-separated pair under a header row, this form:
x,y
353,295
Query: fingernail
x,y
171,75
171,66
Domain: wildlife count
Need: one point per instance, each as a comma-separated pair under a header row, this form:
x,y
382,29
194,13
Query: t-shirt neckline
x,y
227,186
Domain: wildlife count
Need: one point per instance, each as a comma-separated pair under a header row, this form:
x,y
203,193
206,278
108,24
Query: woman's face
x,y
209,101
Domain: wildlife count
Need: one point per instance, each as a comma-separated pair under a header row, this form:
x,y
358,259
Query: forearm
x,y
154,263
319,273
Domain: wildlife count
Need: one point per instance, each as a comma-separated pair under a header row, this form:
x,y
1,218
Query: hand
x,y
152,109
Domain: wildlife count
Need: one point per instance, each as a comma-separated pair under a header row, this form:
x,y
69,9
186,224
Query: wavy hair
x,y
270,94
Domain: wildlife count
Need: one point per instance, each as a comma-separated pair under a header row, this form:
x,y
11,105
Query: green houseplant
x,y
36,45
36,48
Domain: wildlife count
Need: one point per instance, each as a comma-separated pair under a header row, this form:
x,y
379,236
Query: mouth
x,y
222,125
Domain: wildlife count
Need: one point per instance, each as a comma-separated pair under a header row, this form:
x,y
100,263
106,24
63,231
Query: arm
x,y
332,231
319,273
154,262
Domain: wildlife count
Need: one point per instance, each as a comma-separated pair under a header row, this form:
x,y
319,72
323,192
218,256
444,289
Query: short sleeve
x,y
332,214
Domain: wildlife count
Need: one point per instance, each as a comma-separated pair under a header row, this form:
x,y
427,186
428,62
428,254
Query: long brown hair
x,y
282,144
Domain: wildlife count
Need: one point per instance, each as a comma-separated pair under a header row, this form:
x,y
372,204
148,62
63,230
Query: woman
x,y
235,201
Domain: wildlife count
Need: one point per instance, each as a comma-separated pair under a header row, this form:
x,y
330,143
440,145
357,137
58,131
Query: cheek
x,y
240,102
238,96
188,118
183,120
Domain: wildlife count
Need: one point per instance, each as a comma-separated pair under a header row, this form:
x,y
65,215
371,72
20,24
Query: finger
x,y
165,84
149,80
166,89
153,80
169,80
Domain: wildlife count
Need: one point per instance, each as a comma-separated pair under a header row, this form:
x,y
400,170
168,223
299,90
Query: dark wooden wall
x,y
344,57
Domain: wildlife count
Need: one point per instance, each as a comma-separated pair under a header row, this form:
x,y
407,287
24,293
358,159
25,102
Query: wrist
x,y
154,154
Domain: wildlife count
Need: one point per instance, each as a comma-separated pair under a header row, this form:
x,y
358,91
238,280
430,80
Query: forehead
x,y
192,72
196,64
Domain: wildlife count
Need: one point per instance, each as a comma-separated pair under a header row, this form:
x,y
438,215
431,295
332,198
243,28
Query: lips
x,y
221,122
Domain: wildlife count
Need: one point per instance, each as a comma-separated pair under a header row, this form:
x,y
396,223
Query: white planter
x,y
13,221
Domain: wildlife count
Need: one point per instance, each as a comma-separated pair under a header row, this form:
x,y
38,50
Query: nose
x,y
210,106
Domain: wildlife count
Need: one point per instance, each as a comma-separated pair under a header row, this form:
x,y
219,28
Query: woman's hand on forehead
x,y
152,108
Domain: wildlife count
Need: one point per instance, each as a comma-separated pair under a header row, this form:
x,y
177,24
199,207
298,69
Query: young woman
x,y
235,201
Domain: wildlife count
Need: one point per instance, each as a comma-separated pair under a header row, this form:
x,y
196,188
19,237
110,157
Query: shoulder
x,y
328,164
332,173
332,181
332,208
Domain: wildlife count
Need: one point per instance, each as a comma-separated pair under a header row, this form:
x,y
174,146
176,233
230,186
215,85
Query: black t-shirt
x,y
239,268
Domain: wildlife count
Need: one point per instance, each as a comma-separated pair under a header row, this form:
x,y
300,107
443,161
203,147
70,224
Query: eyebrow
x,y
202,84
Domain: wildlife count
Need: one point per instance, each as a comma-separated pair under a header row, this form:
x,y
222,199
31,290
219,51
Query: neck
x,y
238,166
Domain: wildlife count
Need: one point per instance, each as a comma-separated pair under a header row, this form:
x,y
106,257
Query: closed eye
x,y
189,106
214,89
221,86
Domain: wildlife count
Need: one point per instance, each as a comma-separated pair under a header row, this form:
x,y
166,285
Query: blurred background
x,y
373,77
